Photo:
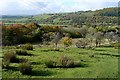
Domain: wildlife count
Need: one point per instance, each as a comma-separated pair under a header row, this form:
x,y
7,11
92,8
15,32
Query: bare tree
x,y
98,36
57,37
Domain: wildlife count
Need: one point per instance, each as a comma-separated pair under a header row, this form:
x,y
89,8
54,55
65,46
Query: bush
x,y
23,60
70,63
116,45
25,68
10,56
5,64
85,44
66,62
81,44
21,52
50,63
28,46
66,41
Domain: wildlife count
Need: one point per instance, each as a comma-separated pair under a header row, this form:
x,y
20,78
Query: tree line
x,y
32,33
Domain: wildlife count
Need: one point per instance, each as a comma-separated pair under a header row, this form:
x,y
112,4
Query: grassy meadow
x,y
80,44
101,62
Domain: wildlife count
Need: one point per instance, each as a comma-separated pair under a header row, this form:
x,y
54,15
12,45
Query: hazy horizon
x,y
35,7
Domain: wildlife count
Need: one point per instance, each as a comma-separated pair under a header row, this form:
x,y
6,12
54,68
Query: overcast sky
x,y
32,7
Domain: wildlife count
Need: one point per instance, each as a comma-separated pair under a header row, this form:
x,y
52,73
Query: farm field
x,y
102,62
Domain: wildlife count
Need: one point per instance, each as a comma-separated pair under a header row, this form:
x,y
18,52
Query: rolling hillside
x,y
104,16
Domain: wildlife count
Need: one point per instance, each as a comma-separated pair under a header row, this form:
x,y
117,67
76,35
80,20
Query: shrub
x,y
63,60
85,44
50,63
23,60
66,41
81,43
116,45
10,56
21,52
70,63
27,46
25,68
66,62
5,64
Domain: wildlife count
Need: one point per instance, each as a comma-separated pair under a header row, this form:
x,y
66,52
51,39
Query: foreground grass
x,y
98,63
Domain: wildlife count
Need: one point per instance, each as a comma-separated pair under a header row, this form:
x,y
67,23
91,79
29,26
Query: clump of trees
x,y
19,34
13,34
47,37
32,32
95,36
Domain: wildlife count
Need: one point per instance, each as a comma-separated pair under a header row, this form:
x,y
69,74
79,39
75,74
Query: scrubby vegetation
x,y
66,62
67,41
22,52
10,56
91,18
81,62
87,40
116,45
5,64
27,46
25,68
50,63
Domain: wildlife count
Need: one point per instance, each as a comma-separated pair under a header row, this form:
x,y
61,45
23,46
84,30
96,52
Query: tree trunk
x,y
56,46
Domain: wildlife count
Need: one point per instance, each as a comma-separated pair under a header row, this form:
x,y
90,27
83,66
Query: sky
x,y
33,7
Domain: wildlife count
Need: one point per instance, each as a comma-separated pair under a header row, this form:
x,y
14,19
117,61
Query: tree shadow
x,y
41,73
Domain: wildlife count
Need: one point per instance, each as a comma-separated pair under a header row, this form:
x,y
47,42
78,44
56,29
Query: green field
x,y
99,63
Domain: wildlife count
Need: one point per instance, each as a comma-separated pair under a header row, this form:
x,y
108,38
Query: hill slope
x,y
104,16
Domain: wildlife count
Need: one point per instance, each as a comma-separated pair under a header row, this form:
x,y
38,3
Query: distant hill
x,y
104,16
107,12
